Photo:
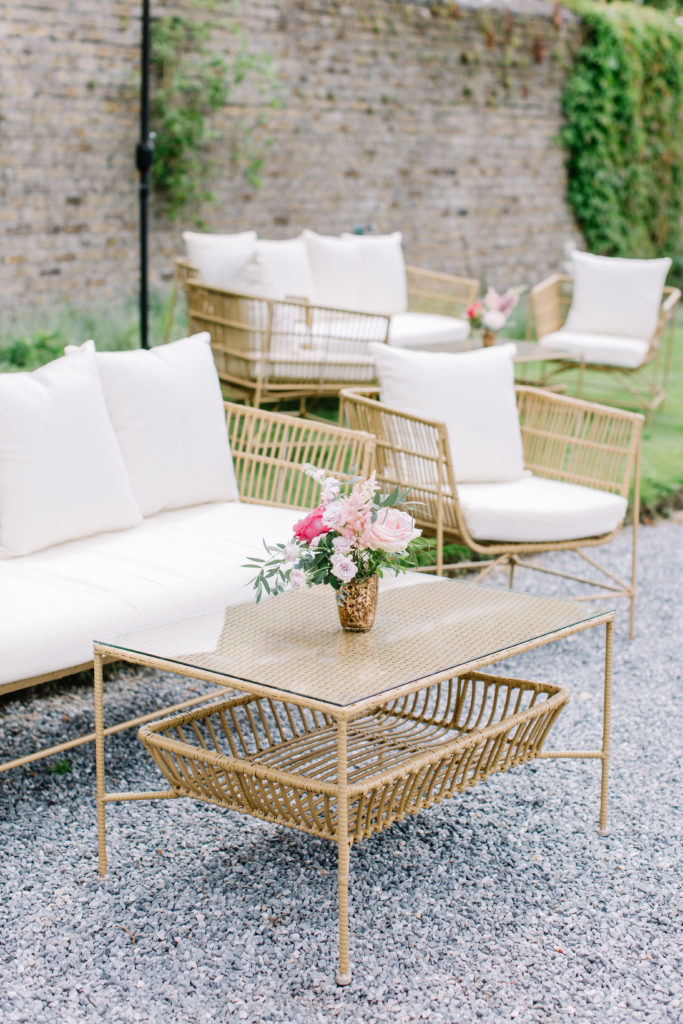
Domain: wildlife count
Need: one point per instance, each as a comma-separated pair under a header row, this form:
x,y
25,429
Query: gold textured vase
x,y
359,604
488,337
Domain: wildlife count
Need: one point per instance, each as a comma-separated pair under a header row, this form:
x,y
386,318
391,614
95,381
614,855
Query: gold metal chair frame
x,y
268,450
268,350
563,438
645,384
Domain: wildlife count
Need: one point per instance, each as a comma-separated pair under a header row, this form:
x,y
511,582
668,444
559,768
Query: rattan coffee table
x,y
340,734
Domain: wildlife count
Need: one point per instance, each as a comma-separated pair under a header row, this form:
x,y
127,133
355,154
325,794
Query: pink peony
x,y
392,531
310,526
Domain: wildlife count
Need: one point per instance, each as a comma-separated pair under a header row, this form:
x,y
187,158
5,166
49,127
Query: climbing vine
x,y
193,80
623,135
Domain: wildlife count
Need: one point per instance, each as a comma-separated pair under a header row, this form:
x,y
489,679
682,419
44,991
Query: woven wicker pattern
x,y
279,762
563,438
269,350
294,645
646,384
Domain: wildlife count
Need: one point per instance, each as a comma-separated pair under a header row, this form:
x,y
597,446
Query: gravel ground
x,y
502,904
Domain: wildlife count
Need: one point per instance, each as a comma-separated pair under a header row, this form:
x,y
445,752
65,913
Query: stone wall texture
x,y
438,119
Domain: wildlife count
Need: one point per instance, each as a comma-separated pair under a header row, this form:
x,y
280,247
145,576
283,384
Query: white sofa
x,y
127,498
294,318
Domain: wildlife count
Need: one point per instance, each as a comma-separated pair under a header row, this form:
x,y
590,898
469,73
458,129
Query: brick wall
x,y
438,119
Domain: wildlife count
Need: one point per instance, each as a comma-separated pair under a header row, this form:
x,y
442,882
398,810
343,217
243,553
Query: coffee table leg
x,y
343,855
99,766
607,710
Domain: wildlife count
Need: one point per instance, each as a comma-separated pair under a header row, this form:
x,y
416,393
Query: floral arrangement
x,y
354,533
493,311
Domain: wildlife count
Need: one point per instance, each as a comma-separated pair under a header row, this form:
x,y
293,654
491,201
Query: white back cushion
x,y
616,296
335,266
220,260
473,393
167,410
382,273
61,471
288,264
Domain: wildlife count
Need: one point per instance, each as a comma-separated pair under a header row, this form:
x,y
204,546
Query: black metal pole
x,y
143,161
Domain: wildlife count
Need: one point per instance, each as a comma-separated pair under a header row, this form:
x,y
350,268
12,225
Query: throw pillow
x,y
473,393
61,471
617,296
287,262
382,273
220,260
167,410
335,267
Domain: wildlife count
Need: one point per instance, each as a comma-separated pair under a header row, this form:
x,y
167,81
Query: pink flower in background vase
x,y
493,320
392,531
311,525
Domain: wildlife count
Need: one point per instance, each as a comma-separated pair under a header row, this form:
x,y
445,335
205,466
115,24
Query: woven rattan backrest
x,y
269,450
578,442
431,292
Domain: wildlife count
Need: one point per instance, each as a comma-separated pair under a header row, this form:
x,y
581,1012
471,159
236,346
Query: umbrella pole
x,y
143,161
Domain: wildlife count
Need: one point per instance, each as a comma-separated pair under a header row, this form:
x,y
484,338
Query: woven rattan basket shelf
x,y
278,761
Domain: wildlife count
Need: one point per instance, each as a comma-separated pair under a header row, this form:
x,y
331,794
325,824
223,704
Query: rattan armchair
x,y
268,350
644,384
564,439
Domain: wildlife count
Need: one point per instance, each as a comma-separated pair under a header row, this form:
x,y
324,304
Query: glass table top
x,y
294,644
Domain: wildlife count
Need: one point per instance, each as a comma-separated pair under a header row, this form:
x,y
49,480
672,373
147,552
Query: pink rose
x,y
310,526
392,531
297,579
343,568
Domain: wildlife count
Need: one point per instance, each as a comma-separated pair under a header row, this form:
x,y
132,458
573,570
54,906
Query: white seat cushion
x,y
61,471
535,509
603,349
53,604
167,410
616,296
473,393
415,329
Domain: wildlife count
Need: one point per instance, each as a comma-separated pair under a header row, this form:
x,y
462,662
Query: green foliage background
x,y
623,105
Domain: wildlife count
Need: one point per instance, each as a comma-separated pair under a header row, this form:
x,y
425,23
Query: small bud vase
x,y
488,337
357,610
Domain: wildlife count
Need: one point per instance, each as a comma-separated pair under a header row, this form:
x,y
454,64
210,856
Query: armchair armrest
x,y
579,442
269,450
549,303
430,291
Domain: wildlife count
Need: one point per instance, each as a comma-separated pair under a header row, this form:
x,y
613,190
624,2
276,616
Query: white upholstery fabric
x,y
616,296
535,509
411,330
167,410
473,393
335,266
605,349
61,471
53,604
288,265
221,260
383,287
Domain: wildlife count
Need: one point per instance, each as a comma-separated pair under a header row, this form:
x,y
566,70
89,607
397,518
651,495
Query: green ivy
x,y
192,82
623,133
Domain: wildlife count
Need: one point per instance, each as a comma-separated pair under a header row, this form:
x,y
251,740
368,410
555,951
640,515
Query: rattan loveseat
x,y
170,563
304,339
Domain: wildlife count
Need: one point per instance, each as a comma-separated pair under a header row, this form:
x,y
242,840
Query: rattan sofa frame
x,y
645,385
268,451
253,339
563,438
